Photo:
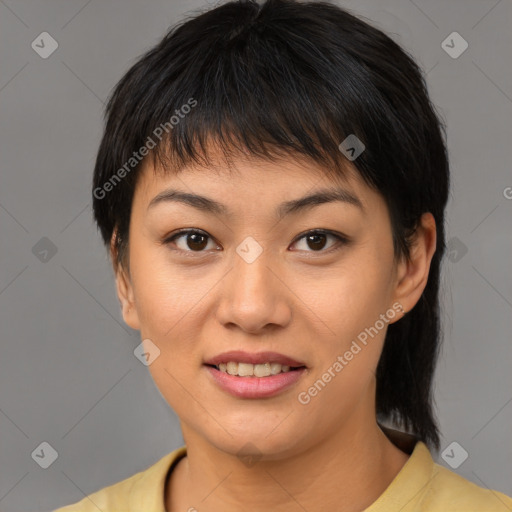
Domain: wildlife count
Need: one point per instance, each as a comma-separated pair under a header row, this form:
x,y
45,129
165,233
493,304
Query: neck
x,y
347,471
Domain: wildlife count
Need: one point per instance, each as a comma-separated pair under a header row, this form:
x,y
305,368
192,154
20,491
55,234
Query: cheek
x,y
348,302
168,305
346,298
166,296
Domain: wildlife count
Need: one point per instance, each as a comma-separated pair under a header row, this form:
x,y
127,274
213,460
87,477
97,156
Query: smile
x,y
250,386
256,370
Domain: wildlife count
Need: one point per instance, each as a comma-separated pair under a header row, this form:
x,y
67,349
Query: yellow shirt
x,y
421,486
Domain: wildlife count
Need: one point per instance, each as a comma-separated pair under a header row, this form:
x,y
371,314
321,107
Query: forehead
x,y
247,177
249,189
245,186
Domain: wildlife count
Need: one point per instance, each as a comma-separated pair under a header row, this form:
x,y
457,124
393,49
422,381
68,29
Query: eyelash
x,y
342,240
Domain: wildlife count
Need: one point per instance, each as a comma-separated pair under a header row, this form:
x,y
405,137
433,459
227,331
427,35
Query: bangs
x,y
257,91
253,98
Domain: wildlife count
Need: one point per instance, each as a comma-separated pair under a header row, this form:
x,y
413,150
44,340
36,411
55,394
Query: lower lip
x,y
255,387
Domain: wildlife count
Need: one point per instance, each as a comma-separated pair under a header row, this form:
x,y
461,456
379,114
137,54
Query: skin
x,y
296,298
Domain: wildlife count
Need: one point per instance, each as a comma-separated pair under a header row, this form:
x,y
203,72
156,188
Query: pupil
x,y
194,238
314,238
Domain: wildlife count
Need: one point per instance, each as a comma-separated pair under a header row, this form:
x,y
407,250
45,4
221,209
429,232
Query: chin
x,y
261,444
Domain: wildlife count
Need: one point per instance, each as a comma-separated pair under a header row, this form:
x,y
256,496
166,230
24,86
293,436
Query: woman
x,y
271,186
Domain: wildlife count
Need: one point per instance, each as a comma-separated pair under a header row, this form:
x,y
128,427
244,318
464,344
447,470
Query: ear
x,y
412,274
124,289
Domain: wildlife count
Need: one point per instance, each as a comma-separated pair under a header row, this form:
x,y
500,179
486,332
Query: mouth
x,y
261,370
249,375
248,364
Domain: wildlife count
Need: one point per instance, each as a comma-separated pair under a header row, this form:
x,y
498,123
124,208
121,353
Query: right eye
x,y
192,240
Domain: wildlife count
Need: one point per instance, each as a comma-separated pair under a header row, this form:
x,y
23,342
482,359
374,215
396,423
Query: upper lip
x,y
240,356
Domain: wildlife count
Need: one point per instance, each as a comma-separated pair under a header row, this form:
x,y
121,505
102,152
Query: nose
x,y
254,296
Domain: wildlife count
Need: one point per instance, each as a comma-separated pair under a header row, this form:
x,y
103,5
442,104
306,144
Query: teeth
x,y
262,370
249,370
232,368
275,368
246,370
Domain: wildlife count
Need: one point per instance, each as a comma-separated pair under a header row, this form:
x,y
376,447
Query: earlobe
x,y
124,288
412,275
126,299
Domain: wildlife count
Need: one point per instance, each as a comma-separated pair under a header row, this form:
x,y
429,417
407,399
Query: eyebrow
x,y
288,207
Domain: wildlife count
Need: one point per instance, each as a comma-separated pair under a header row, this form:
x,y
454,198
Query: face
x,y
305,285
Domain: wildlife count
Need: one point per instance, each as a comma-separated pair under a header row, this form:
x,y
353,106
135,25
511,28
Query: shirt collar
x,y
411,481
148,491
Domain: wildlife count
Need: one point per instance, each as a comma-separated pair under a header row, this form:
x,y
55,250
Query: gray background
x,y
68,375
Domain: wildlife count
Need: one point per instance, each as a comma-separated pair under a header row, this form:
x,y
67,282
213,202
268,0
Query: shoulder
x,y
116,495
451,492
142,491
422,485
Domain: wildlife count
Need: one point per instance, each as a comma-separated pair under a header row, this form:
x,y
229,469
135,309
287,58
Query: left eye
x,y
316,240
196,241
